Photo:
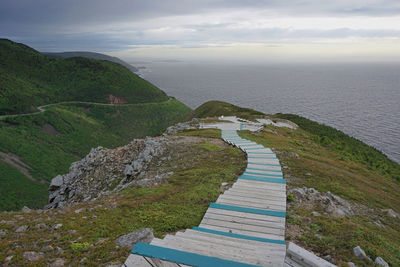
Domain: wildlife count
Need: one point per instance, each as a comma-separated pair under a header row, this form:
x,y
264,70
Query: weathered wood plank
x,y
244,227
242,232
261,205
245,242
247,215
251,205
251,199
277,225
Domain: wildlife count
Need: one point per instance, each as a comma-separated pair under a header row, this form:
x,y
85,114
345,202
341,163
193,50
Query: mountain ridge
x,y
93,55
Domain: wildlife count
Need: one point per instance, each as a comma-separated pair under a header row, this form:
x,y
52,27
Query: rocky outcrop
x,y
180,127
106,170
144,235
333,205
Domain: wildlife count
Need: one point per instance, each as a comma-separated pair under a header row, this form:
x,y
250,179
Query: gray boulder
x,y
144,235
351,264
379,261
56,182
32,256
359,253
22,229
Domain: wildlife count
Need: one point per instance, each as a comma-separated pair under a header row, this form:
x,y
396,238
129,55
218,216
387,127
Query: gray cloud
x,y
104,25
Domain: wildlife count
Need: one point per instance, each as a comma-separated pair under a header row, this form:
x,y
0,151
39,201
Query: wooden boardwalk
x,y
244,227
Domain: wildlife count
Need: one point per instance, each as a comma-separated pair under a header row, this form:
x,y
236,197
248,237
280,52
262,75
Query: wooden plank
x,y
247,215
304,257
251,200
263,167
260,191
210,250
263,178
261,184
248,210
242,232
244,227
231,245
253,243
249,221
238,193
252,205
134,260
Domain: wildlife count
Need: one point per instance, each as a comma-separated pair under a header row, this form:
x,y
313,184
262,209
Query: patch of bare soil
x,y
116,100
48,128
16,162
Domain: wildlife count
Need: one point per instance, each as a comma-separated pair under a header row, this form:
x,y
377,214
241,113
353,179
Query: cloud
x,y
103,25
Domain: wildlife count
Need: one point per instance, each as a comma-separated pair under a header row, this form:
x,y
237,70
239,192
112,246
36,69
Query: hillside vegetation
x,y
92,55
29,79
49,142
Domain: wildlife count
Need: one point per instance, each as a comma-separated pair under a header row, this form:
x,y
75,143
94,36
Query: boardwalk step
x,y
183,257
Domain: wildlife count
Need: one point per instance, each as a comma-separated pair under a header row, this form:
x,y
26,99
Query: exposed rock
x,y
40,226
392,213
47,248
359,253
22,229
56,182
333,205
32,256
379,261
351,264
144,235
3,232
25,209
59,251
315,213
180,127
103,171
57,226
57,263
80,210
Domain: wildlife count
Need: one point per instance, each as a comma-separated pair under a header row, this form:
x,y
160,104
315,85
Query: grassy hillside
x,y
50,141
92,55
29,79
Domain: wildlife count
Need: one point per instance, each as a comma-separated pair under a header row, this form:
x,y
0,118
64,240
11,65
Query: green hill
x,y
91,55
37,146
29,79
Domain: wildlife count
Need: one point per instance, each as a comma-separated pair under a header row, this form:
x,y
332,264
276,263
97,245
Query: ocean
x,y
362,100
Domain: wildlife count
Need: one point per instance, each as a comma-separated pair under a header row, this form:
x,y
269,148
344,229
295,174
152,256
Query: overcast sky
x,y
352,30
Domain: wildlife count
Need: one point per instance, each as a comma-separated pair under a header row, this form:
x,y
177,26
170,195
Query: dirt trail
x,y
43,108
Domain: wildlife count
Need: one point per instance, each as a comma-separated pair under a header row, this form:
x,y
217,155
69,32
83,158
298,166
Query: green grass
x,y
177,205
28,193
80,128
350,149
29,79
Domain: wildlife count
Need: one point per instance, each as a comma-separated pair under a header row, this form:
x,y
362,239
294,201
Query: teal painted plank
x,y
248,210
263,179
264,164
263,174
183,257
260,239
267,170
